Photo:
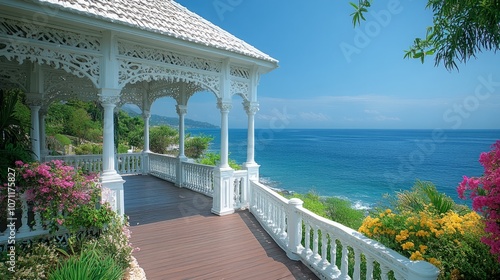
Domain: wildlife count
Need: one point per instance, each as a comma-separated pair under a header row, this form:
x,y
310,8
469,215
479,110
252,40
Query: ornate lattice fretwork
x,y
241,88
240,72
134,72
167,57
132,93
62,86
73,52
13,75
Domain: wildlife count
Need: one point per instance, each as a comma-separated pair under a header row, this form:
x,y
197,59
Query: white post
x,y
145,151
224,107
181,111
223,186
35,132
43,143
109,177
294,229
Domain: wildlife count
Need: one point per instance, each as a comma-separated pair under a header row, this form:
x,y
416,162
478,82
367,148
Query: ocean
x,y
360,165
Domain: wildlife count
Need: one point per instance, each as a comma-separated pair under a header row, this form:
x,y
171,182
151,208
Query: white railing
x,y
325,243
24,225
87,163
163,166
198,177
240,189
129,163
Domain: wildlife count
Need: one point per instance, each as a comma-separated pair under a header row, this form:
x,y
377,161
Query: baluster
x,y
24,217
369,267
283,222
307,238
344,266
357,264
315,243
324,248
384,272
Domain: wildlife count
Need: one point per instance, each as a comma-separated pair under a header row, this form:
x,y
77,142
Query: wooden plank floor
x,y
179,238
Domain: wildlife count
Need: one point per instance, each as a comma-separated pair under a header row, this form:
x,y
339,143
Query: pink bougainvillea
x,y
55,189
485,194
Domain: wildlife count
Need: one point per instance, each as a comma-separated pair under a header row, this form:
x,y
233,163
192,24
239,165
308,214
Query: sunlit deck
x,y
179,238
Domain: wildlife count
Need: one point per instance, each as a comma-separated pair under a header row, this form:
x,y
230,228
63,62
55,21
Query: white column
x,y
223,199
35,131
224,107
43,145
251,109
146,115
110,178
181,111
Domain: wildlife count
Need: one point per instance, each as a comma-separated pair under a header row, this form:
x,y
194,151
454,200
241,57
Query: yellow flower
x,y
434,261
423,248
407,245
416,256
422,233
403,235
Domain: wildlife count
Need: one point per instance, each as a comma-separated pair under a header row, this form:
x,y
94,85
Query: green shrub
x,y
88,149
90,265
32,262
64,140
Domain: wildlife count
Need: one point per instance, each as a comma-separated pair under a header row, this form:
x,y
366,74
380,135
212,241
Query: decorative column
x,y
181,111
253,168
43,143
110,178
223,198
35,130
145,151
146,115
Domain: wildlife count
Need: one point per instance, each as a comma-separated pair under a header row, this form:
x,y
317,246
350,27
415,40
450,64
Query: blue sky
x,y
332,75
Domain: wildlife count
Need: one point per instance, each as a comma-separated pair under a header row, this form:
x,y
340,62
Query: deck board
x,y
179,238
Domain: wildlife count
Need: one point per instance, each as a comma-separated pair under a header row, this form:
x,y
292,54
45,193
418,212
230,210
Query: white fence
x,y
328,248
198,177
163,166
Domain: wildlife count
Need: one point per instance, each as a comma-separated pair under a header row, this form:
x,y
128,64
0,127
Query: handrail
x,y
163,166
324,243
198,177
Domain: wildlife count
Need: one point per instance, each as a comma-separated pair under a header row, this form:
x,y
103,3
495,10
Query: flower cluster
x,y
416,234
485,194
55,190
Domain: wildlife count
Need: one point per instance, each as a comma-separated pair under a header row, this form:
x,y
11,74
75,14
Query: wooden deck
x,y
179,238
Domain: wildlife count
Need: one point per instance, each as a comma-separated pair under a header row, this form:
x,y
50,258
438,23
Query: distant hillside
x,y
170,121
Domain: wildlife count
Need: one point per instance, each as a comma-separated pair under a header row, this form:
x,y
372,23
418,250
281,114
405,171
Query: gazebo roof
x,y
164,17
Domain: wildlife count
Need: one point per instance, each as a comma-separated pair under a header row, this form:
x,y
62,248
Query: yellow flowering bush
x,y
445,240
427,225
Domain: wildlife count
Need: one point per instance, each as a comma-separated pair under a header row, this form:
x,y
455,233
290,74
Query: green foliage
x,y
213,159
122,148
460,30
161,137
423,195
333,208
90,265
14,141
63,139
88,149
196,146
32,262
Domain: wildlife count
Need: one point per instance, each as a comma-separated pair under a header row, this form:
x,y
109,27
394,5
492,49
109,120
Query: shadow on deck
x,y
179,238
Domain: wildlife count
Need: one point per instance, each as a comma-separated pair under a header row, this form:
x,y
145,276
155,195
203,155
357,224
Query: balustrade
x,y
198,177
87,163
330,249
129,163
163,166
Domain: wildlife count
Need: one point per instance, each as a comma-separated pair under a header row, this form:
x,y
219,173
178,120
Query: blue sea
x,y
361,165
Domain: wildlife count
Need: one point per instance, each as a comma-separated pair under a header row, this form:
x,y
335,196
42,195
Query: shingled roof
x,y
165,17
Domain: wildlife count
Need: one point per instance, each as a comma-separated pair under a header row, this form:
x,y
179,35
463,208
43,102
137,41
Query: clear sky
x,y
332,75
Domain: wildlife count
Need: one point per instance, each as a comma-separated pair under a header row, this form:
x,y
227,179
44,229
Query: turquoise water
x,y
361,165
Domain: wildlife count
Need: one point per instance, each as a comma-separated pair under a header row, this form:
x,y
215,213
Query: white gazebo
x,y
131,51
128,51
